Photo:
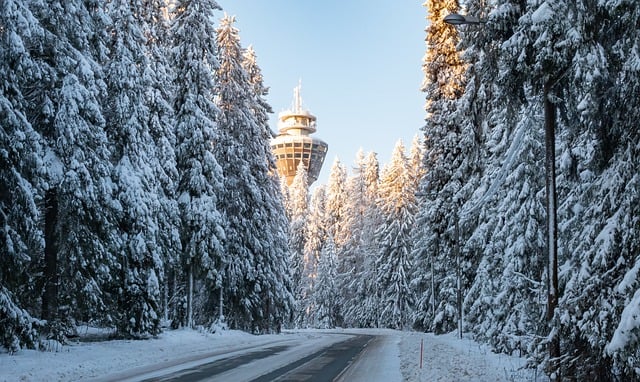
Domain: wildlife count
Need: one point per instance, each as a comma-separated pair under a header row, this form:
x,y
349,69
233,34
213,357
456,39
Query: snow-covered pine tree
x,y
161,122
540,53
599,165
336,215
325,294
513,255
280,294
136,162
299,213
81,233
394,239
314,242
21,237
257,283
436,238
335,205
201,179
368,313
356,278
416,159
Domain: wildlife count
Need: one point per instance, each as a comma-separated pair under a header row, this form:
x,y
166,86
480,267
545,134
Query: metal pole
x,y
458,276
552,227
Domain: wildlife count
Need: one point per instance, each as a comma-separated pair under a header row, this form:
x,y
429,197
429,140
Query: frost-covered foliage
x,y
447,165
298,213
314,242
583,57
325,295
80,225
396,200
255,279
20,164
135,174
201,228
358,276
110,189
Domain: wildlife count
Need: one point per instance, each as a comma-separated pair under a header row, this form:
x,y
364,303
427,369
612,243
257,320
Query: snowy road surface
x,y
369,355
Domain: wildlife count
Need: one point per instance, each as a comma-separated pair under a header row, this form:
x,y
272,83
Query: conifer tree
x,y
325,294
314,243
397,206
161,121
135,173
281,290
436,238
359,218
81,232
201,178
258,286
299,214
20,149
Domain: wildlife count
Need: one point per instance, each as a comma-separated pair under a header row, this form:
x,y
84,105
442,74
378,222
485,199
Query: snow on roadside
x,y
448,358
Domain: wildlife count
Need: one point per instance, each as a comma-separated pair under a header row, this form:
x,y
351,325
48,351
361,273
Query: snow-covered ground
x,y
394,356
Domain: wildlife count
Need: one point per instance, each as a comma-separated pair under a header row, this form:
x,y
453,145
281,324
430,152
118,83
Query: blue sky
x,y
359,61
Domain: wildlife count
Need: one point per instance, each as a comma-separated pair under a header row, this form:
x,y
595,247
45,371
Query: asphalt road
x,y
326,364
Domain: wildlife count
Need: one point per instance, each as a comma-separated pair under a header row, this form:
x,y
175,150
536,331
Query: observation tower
x,y
294,143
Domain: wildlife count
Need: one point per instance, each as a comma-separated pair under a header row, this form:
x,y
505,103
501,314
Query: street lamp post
x,y
551,200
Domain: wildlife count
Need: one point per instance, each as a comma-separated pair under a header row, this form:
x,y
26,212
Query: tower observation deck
x,y
294,143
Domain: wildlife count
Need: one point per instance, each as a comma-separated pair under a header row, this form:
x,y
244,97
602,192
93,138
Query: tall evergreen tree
x,y
325,294
20,149
280,293
314,243
201,177
397,205
437,239
81,231
356,267
161,122
299,214
135,173
257,282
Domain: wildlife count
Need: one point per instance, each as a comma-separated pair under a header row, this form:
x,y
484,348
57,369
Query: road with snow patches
x,y
334,361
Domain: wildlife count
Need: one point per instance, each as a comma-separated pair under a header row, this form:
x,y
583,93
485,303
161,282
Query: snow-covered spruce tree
x,y
416,160
357,257
514,252
314,242
540,53
397,205
257,282
280,296
201,180
136,166
21,237
336,215
161,123
299,214
325,294
600,227
505,214
367,314
81,233
444,156
335,206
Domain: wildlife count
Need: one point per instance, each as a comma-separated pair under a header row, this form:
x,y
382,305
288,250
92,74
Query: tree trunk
x,y
50,272
189,295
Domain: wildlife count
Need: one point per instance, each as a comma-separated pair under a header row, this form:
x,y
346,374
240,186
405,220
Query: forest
x,y
138,191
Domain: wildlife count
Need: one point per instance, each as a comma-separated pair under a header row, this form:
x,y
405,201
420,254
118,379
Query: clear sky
x,y
360,64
